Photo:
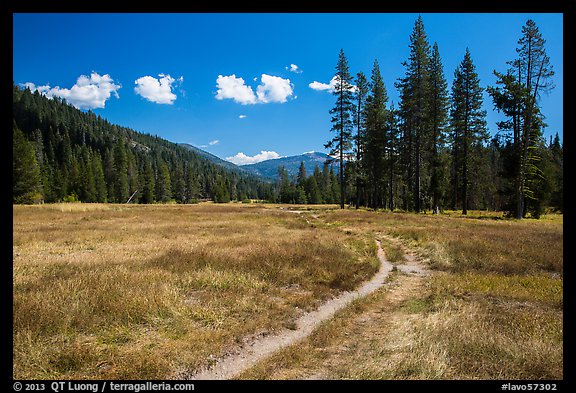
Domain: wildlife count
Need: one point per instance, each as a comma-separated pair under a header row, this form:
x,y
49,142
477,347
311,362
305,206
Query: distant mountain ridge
x,y
215,159
269,168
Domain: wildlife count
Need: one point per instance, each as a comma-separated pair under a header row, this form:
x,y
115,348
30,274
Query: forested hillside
x,y
63,154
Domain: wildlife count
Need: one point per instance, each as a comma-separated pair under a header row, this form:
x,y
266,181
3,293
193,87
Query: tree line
x,y
431,151
63,154
434,150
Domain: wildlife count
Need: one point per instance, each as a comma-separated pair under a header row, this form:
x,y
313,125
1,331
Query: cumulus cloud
x,y
271,89
274,89
88,92
294,68
242,116
157,90
243,159
329,87
230,87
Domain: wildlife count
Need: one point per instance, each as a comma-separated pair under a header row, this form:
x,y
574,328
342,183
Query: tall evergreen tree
x,y
88,191
360,95
121,186
192,185
134,190
109,174
468,123
222,192
535,75
163,182
99,180
342,114
415,98
516,95
26,181
557,157
438,106
392,154
148,182
377,121
179,184
301,178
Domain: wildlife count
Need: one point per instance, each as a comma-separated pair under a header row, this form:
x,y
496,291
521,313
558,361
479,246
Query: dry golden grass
x,y
415,331
117,291
465,243
493,311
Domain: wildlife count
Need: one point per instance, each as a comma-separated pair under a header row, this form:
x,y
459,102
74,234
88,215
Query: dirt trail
x,y
234,364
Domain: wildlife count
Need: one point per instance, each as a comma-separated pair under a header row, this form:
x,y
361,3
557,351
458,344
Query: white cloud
x,y
271,89
329,87
242,116
230,87
274,89
88,92
294,68
243,159
214,142
319,86
157,90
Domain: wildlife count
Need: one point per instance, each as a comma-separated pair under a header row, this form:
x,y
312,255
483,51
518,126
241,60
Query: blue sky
x,y
178,75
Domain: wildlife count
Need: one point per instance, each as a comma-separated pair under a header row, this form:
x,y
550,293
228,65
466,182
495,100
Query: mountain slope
x,y
269,168
81,156
215,159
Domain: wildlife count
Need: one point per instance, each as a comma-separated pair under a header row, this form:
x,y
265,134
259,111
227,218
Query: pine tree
x,y
134,190
163,183
301,178
535,74
334,188
438,106
375,143
88,193
324,184
121,186
285,193
179,184
26,181
74,178
361,93
314,194
557,159
109,174
415,99
517,94
192,185
222,192
468,123
148,182
392,154
342,114
99,180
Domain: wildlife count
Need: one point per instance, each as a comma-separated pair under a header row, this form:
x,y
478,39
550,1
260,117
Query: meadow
x,y
136,291
492,309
